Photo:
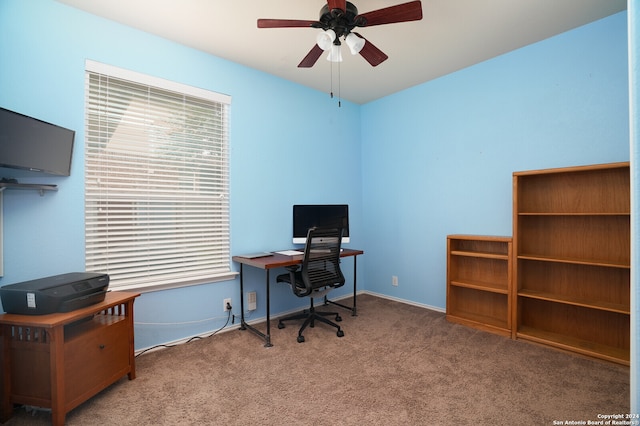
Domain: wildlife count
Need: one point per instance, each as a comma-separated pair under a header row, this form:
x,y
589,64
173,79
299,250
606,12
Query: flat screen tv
x,y
306,216
31,144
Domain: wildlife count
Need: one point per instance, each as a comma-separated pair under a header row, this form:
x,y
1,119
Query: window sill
x,y
148,288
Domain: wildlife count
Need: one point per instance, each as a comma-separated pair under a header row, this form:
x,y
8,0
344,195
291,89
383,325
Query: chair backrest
x,y
321,262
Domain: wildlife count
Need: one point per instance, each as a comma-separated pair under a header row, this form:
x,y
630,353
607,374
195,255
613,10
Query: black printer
x,y
58,293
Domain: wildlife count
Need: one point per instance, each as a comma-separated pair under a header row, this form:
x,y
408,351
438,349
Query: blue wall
x,y
415,166
438,158
276,133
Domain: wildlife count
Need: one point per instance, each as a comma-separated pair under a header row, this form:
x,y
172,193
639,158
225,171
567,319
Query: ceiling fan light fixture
x,y
335,55
355,43
325,39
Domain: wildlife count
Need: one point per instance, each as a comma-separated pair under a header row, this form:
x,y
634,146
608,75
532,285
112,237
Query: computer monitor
x,y
306,216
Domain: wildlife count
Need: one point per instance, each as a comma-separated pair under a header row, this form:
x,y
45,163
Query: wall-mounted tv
x,y
31,144
306,216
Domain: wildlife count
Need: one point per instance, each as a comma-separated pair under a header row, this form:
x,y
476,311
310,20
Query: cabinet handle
x,y
101,346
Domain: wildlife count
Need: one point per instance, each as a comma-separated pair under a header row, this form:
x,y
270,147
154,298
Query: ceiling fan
x,y
338,18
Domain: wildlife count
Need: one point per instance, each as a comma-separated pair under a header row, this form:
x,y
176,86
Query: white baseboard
x,y
408,302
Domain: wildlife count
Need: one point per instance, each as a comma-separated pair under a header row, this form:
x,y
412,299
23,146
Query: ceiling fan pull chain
x,y
339,103
331,78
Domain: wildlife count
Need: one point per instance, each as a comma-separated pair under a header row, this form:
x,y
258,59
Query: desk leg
x,y
268,336
244,325
354,312
353,309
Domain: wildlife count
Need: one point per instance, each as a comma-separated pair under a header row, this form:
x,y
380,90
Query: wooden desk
x,y
60,360
279,261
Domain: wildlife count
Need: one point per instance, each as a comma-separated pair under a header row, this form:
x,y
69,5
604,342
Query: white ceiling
x,y
452,35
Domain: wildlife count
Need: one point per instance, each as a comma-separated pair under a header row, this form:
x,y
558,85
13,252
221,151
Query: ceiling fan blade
x,y
411,11
371,53
311,58
285,23
337,4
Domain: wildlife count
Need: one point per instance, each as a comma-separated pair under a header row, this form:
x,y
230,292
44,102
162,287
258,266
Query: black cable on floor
x,y
190,340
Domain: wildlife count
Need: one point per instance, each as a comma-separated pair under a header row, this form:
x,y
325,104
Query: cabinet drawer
x,y
95,359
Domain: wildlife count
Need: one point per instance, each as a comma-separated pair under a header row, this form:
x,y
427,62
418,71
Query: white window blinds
x,y
156,181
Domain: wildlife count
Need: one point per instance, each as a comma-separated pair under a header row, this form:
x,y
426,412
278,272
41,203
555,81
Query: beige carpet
x,y
396,365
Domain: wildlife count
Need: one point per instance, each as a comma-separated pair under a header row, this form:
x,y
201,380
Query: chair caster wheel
x,y
340,333
300,339
280,325
338,318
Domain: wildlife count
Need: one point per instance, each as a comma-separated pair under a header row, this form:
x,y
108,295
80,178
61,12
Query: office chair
x,y
319,274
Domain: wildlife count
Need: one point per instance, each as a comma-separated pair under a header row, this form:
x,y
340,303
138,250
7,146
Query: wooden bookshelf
x,y
571,237
479,282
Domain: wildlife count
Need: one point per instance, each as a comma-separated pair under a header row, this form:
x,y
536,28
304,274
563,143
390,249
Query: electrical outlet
x,y
251,301
394,281
225,303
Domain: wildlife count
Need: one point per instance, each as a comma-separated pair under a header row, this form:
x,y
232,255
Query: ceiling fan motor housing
x,y
340,22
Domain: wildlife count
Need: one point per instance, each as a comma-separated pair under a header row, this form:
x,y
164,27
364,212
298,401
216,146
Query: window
x,y
156,181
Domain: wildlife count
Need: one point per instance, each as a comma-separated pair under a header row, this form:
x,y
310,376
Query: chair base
x,y
310,316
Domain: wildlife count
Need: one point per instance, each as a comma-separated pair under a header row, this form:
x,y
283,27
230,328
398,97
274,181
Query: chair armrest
x,y
298,291
292,277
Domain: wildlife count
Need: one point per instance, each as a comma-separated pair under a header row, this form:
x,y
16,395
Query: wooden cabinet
x,y
571,236
479,282
60,360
